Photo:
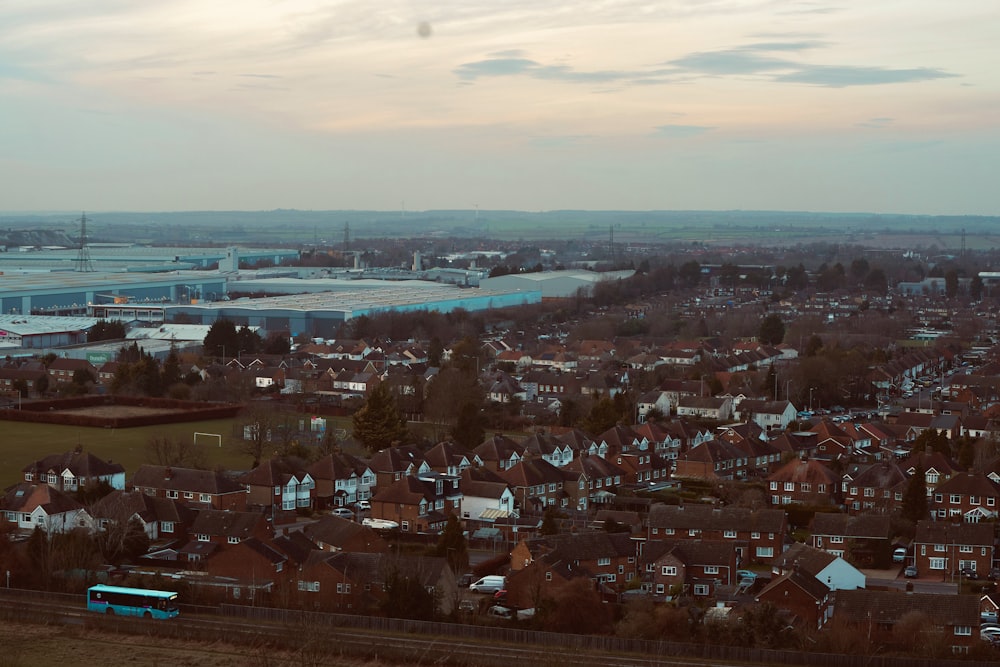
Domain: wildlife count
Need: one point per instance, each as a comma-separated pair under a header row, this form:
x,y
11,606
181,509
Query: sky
x,y
890,106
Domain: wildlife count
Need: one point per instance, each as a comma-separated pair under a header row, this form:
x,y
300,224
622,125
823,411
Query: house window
x,y
693,532
789,486
991,501
188,495
955,499
937,563
821,488
548,576
729,533
836,539
171,493
233,540
404,526
603,561
869,492
668,531
167,527
277,490
205,498
963,630
938,547
974,500
669,571
700,589
711,569
965,549
765,552
659,589
938,498
754,536
202,537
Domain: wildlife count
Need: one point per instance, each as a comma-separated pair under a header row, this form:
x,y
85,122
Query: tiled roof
x,y
83,465
184,479
860,526
709,517
226,523
864,606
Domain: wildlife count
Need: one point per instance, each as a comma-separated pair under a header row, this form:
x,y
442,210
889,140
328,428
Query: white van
x,y
489,584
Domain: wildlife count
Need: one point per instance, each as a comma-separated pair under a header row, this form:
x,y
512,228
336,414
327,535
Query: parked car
x,y
343,513
993,574
746,575
489,584
910,571
363,505
968,573
899,555
379,524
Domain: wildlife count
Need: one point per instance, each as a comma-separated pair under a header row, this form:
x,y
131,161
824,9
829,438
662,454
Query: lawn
x,y
22,443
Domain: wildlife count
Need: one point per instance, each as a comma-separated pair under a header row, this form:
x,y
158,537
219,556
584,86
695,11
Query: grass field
x,y
40,646
21,443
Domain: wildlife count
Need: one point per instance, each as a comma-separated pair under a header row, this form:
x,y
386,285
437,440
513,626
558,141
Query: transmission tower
x,y
83,263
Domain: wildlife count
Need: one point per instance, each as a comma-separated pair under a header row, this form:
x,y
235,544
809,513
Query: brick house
x,y
161,518
200,489
331,533
876,613
608,558
756,535
802,595
29,505
805,481
942,548
341,480
419,503
873,488
862,540
251,561
213,529
280,484
972,496
62,369
697,567
499,452
536,484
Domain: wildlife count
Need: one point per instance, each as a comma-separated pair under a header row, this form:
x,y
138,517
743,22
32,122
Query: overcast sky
x,y
880,105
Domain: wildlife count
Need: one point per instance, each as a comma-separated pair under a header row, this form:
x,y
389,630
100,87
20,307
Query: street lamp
x,y
811,398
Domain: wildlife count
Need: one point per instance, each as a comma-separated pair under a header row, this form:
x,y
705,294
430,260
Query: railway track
x,y
205,624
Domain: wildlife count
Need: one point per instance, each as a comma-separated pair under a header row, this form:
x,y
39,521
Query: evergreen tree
x,y
377,424
453,546
221,337
772,330
470,427
915,498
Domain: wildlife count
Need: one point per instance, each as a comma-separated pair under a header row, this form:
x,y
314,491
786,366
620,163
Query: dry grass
x,y
41,646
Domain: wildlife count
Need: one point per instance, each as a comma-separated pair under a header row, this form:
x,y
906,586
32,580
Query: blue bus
x,y
122,601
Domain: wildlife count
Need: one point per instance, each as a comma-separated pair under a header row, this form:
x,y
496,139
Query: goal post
x,y
217,436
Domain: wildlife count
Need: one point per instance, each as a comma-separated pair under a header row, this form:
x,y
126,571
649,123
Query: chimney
x,y
168,473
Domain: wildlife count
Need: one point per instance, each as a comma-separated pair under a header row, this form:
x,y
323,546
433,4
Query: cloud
x,y
841,77
876,123
682,131
730,62
510,66
752,59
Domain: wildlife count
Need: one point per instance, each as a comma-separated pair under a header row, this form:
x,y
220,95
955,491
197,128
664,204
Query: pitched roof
x,y
184,479
226,523
83,465
860,526
866,606
709,517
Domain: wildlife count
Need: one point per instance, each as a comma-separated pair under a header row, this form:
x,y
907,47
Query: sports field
x,y
22,443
